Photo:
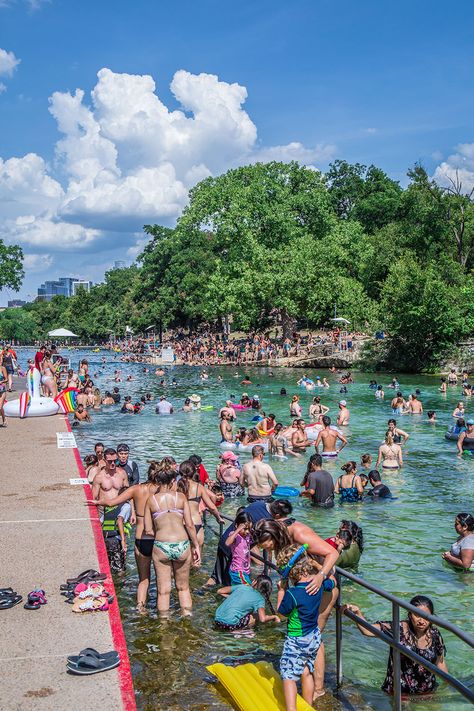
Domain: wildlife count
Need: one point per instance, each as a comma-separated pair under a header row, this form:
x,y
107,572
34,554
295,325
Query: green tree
x,y
11,266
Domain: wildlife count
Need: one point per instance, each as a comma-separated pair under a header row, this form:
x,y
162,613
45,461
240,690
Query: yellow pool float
x,y
255,687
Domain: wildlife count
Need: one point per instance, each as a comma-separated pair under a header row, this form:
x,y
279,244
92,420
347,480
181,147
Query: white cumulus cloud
x,y
125,159
457,167
8,63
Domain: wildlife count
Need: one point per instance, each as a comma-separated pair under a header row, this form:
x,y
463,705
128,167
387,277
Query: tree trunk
x,y
288,324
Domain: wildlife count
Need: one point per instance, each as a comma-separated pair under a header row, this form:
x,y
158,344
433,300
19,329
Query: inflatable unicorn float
x,y
33,404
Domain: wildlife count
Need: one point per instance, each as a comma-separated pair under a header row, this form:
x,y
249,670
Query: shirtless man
x,y
99,453
258,477
328,438
226,428
344,414
81,414
228,410
108,482
108,399
299,439
72,380
414,406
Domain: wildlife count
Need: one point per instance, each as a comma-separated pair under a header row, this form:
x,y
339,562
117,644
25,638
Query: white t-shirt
x,y
164,407
466,543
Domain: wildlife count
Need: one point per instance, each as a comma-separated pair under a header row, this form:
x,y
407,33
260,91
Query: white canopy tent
x,y
62,333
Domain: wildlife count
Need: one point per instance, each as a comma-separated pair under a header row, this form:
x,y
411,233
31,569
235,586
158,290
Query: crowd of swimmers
x,y
169,509
167,512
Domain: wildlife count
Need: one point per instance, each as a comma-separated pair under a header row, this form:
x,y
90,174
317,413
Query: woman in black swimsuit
x,y
466,438
140,493
190,485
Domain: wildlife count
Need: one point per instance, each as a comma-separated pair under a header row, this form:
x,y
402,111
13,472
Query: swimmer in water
x,y
328,438
390,454
344,414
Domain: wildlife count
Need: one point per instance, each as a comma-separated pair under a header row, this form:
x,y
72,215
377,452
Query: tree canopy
x,y
281,243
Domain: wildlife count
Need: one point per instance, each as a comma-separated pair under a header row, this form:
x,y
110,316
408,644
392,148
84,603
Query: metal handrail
x,y
394,642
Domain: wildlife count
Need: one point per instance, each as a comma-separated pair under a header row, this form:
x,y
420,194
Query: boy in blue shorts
x,y
303,637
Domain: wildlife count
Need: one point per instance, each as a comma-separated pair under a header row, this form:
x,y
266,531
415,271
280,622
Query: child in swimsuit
x,y
240,541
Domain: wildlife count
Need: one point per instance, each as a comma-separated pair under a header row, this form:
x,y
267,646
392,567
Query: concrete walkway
x,y
47,536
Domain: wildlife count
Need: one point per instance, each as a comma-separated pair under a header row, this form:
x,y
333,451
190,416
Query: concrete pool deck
x,y
48,535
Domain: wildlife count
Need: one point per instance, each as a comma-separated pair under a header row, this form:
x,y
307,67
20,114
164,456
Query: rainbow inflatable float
x,y
32,403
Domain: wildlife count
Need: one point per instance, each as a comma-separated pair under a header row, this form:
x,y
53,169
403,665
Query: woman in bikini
x,y
316,410
390,454
48,379
175,547
140,494
190,485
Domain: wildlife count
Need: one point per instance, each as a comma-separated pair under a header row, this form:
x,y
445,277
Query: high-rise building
x,y
80,285
120,264
64,286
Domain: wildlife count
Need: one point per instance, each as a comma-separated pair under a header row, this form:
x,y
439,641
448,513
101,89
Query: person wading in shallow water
x,y
258,477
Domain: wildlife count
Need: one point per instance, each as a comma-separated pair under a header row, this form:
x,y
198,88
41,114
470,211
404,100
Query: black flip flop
x,y
89,664
89,651
92,575
7,602
6,592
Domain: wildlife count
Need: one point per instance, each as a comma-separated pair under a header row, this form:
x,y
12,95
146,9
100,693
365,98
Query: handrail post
x,y
338,633
265,563
397,685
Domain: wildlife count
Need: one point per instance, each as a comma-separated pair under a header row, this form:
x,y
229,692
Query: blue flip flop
x,y
89,664
89,651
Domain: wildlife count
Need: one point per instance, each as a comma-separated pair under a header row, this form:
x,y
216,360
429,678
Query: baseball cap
x,y
229,455
123,447
343,403
470,422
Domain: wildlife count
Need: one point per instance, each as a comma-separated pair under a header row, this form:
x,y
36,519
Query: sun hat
x,y
470,422
229,455
343,403
195,398
245,394
255,397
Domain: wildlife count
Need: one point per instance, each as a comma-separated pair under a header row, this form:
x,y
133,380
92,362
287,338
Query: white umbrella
x,y
339,319
62,333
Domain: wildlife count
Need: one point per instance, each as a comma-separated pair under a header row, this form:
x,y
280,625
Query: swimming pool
x,y
404,537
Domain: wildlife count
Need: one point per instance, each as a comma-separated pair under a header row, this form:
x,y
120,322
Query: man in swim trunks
x,y
108,482
344,414
258,477
328,438
299,439
226,428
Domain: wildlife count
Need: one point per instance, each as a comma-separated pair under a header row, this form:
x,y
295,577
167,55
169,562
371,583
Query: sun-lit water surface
x,y
404,537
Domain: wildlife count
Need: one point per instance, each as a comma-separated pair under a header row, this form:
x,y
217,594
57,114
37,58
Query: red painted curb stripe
x,y
118,636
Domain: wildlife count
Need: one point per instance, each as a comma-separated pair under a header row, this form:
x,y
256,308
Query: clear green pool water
x,y
404,537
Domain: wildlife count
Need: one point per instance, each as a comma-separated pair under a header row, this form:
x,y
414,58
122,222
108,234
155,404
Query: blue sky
x,y
374,82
